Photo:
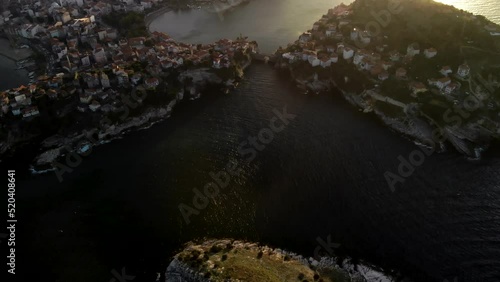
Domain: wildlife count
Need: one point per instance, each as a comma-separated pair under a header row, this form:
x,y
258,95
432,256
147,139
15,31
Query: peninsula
x,y
427,70
105,74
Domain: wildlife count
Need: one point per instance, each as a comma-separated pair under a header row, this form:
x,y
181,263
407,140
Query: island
x,y
429,71
104,74
233,260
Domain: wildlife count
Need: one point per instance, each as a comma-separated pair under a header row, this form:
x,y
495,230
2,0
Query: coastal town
x,y
94,70
409,77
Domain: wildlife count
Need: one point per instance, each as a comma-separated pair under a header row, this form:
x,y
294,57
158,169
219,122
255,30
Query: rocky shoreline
x,y
55,148
203,262
420,130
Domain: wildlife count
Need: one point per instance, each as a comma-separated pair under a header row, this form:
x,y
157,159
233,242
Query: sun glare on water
x,y
460,4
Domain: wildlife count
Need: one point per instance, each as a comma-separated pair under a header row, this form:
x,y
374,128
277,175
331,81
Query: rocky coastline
x,y
55,148
187,84
403,91
417,129
211,260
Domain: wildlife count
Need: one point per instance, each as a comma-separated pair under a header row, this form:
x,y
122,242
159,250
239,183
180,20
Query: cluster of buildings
x,y
95,61
66,10
327,42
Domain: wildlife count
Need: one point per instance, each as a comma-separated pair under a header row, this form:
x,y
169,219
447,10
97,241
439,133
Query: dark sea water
x,y
323,175
11,77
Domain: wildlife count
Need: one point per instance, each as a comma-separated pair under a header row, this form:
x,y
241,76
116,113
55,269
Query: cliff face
x,y
230,260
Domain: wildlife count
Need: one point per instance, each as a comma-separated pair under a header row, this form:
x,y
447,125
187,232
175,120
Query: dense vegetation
x,y
129,24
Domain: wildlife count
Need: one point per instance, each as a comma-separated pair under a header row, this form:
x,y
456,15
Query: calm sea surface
x,y
487,8
322,176
10,76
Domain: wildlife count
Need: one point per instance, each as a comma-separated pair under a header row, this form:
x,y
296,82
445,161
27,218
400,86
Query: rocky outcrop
x,y
57,145
195,81
205,261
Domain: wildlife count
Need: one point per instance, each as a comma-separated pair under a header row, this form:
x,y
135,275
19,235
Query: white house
x,y
348,53
463,70
443,82
30,111
100,55
105,81
85,97
394,56
334,58
65,17
451,87
94,106
289,56
305,37
325,62
314,61
20,98
430,53
102,34
331,30
152,82
359,56
16,110
446,70
413,49
147,4
85,60
383,76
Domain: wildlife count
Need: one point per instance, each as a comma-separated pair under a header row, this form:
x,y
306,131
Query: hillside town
x,y
92,68
402,81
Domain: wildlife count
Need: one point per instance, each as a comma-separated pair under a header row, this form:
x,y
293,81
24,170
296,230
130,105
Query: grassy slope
x,y
241,261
